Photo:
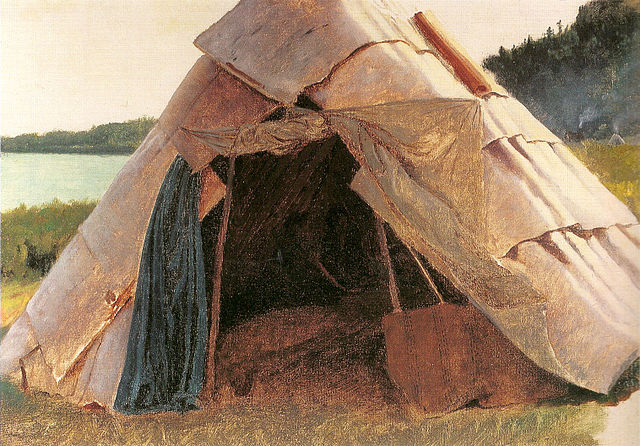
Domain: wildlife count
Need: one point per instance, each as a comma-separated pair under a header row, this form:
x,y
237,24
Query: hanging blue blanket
x,y
164,366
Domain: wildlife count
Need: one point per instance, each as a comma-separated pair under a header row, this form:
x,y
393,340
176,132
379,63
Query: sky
x,y
71,64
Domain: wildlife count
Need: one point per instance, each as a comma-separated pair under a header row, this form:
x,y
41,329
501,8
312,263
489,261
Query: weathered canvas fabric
x,y
560,254
422,171
72,337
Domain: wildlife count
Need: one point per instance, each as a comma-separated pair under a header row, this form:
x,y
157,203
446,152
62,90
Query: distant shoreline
x,y
86,150
116,138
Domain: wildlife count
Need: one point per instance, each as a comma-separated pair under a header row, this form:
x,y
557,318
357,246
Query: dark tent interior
x,y
298,235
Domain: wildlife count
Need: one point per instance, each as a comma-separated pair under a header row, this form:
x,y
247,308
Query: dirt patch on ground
x,y
309,355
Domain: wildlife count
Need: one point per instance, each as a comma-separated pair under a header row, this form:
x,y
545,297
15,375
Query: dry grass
x,y
15,297
39,419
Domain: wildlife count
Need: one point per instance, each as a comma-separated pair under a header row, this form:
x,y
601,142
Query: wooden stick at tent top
x,y
210,381
426,274
384,250
466,69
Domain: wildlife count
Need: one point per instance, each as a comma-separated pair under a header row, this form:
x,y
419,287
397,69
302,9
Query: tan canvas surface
x,y
423,170
79,297
481,188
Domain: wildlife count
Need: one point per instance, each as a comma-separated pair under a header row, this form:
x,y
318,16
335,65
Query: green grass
x,y
32,238
15,297
617,167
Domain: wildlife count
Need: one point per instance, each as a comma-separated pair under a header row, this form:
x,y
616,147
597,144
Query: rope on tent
x,y
384,250
210,382
426,274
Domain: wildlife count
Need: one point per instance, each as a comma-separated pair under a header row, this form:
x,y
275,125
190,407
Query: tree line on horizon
x,y
583,78
113,138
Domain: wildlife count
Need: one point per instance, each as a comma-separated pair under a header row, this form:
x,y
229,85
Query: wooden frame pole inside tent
x,y
210,381
393,288
386,257
426,274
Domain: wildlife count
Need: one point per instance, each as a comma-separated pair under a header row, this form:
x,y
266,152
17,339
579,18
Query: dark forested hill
x,y
115,138
585,77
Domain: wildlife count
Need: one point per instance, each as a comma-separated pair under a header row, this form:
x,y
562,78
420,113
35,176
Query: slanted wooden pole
x,y
386,258
426,274
469,72
210,381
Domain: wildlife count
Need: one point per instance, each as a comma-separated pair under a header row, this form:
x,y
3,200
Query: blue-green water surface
x,y
36,178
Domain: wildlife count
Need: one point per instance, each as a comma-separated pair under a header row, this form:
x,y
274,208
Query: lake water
x,y
35,178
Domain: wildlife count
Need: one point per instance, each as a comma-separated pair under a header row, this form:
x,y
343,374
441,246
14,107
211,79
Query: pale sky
x,y
71,64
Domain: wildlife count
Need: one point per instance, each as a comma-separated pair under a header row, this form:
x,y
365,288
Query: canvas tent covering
x,y
462,173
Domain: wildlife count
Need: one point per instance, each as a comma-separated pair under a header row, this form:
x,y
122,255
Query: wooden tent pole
x,y
210,381
426,275
384,250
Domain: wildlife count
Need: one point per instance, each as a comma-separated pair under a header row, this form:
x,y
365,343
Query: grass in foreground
x,y
40,419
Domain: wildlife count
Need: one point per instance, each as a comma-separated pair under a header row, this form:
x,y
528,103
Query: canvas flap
x,y
422,171
289,44
299,128
437,142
